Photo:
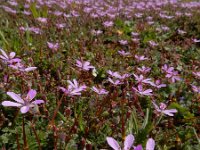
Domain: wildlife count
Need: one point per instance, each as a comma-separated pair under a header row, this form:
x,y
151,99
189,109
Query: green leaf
x,y
146,119
133,123
182,110
34,10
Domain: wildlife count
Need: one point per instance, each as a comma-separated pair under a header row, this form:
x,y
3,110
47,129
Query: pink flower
x,y
171,74
140,90
31,29
181,32
162,109
123,53
20,67
57,13
196,74
100,91
84,65
73,88
14,63
116,82
108,23
167,69
113,74
140,58
42,20
196,40
13,3
140,79
196,89
10,10
129,140
74,85
117,75
134,34
53,46
152,43
123,42
60,25
9,59
26,12
96,32
144,69
158,85
23,103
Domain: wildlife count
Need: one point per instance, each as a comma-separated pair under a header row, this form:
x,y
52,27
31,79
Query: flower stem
x,y
56,111
36,136
17,138
24,136
159,120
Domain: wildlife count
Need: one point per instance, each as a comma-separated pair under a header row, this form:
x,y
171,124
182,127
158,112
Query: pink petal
x,y
70,83
113,143
95,89
12,104
15,97
79,63
63,89
136,77
86,63
4,53
170,112
135,89
109,79
12,55
30,69
128,142
76,92
50,45
24,109
31,94
75,83
38,101
140,87
147,91
150,144
156,106
2,57
139,147
15,60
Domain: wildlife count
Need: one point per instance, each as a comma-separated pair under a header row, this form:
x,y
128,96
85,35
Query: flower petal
x,y
4,53
128,141
16,97
147,92
150,144
139,147
12,55
31,94
75,83
24,109
113,143
156,106
38,101
12,104
30,69
170,112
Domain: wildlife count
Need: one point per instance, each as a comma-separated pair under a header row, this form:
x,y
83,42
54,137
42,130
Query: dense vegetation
x,y
79,74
